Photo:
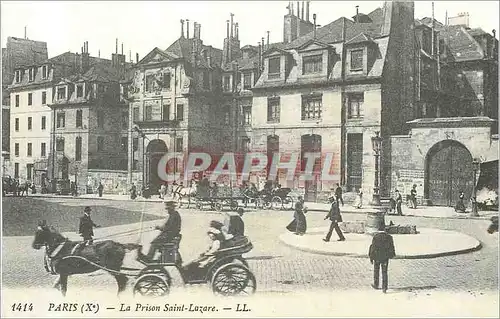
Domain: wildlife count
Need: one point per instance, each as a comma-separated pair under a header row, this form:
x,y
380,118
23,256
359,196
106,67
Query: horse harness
x,y
50,260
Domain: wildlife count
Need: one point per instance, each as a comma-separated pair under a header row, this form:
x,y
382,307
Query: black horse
x,y
65,259
494,225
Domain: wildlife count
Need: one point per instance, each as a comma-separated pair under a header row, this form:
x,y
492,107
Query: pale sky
x,y
142,26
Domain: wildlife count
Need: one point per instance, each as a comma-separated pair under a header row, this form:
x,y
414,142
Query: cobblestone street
x,y
278,268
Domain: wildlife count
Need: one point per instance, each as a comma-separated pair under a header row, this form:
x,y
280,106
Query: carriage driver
x,y
170,230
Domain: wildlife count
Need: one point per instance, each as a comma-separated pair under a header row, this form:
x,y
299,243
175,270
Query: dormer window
x,y
274,68
45,72
79,90
312,64
357,60
19,76
61,93
247,81
31,74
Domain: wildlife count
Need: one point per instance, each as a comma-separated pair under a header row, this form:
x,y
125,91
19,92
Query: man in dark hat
x,y
86,229
335,218
169,231
381,250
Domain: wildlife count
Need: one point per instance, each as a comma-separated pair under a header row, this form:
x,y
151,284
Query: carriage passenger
x,y
217,238
214,190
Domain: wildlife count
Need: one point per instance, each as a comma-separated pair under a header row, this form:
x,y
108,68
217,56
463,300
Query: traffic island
x,y
428,243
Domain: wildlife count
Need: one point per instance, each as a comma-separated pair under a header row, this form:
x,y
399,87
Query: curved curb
x,y
476,247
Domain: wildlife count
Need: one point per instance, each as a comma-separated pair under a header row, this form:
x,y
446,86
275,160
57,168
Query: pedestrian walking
x,y
100,188
380,251
86,228
399,201
298,226
338,194
460,206
413,196
169,231
133,191
358,203
335,218
163,190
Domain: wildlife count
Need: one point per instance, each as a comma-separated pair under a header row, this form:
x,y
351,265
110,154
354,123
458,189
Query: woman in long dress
x,y
299,224
358,203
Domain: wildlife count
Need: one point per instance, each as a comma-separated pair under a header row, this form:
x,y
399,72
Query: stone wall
x,y
114,182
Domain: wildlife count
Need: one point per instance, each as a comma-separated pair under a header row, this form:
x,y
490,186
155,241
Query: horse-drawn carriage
x,y
227,271
278,198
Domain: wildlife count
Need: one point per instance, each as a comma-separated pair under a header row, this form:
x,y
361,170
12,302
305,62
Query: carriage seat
x,y
236,245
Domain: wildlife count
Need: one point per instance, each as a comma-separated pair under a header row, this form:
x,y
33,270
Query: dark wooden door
x,y
354,161
449,171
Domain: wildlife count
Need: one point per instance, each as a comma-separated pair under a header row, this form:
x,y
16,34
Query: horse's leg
x,y
64,283
121,280
57,283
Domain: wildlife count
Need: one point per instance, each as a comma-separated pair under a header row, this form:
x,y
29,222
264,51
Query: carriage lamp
x,y
475,168
376,145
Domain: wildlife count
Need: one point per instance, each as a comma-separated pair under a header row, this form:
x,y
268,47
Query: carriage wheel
x,y
234,205
152,285
267,204
233,279
219,206
288,202
199,205
277,203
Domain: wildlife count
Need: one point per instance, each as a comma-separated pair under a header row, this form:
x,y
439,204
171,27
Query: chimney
x,y
357,14
182,28
187,27
193,54
116,46
268,38
314,20
289,8
237,31
199,31
292,9
302,12
298,10
25,34
122,48
260,57
99,53
195,30
232,25
263,47
130,55
85,57
494,32
307,10
137,58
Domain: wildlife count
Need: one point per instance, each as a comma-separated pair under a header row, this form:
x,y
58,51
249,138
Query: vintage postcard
x,y
207,159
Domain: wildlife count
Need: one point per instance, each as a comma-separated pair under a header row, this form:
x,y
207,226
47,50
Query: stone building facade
x,y
327,89
89,120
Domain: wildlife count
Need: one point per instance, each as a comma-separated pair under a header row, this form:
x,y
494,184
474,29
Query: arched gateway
x,y
448,171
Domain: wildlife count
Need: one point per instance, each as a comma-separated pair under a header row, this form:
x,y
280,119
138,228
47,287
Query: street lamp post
x,y
475,168
376,145
376,217
143,136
